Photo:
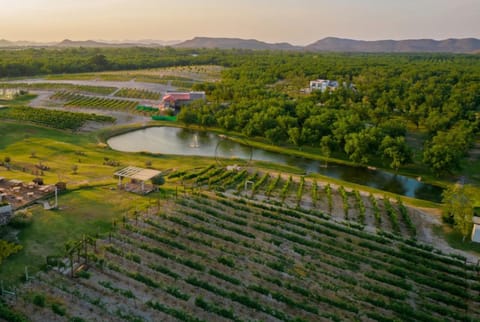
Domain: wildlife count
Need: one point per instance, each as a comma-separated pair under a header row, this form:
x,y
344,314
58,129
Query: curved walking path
x,y
119,84
121,117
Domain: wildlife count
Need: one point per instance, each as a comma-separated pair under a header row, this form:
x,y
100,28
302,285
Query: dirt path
x,y
425,219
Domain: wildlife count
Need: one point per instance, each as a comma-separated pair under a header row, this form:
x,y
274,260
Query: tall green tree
x,y
361,145
444,152
326,144
458,207
396,151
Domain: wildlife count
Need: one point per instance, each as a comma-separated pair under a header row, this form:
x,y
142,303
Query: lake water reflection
x,y
171,140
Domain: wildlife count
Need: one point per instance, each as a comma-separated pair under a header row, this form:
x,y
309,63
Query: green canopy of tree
x,y
445,150
459,208
158,180
395,150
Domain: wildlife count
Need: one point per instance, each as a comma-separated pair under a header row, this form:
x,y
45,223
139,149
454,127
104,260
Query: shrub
x,y
58,309
376,210
21,219
361,207
177,293
300,190
328,191
392,214
84,274
76,319
158,180
314,193
272,186
7,249
39,300
226,261
286,186
344,195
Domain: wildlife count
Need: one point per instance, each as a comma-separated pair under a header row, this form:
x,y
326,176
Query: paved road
x,y
43,101
131,84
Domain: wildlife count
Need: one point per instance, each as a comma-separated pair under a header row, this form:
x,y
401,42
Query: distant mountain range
x,y
329,44
22,43
92,43
87,43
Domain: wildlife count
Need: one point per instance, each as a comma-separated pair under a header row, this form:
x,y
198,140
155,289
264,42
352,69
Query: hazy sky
x,y
296,21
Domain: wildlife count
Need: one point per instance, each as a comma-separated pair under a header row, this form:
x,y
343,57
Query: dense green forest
x,y
30,62
384,99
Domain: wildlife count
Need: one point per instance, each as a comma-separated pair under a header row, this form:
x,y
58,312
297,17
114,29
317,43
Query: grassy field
x,y
60,150
84,211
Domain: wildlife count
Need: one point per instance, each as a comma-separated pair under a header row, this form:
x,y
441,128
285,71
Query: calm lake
x,y
171,140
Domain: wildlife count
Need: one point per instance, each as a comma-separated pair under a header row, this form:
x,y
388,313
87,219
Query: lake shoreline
x,y
160,139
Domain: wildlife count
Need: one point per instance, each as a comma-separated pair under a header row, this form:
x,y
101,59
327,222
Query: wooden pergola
x,y
138,174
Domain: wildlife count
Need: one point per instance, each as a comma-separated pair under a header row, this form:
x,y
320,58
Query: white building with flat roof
x,y
476,229
323,85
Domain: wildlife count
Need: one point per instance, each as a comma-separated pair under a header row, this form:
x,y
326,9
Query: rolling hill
x,y
466,45
329,44
229,43
332,44
93,43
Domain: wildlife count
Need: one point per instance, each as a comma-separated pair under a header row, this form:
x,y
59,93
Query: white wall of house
x,y
323,85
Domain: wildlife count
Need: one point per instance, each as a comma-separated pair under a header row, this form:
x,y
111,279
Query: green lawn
x,y
14,132
90,205
60,150
86,211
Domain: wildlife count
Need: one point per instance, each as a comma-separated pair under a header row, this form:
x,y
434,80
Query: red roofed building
x,y
172,98
176,99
